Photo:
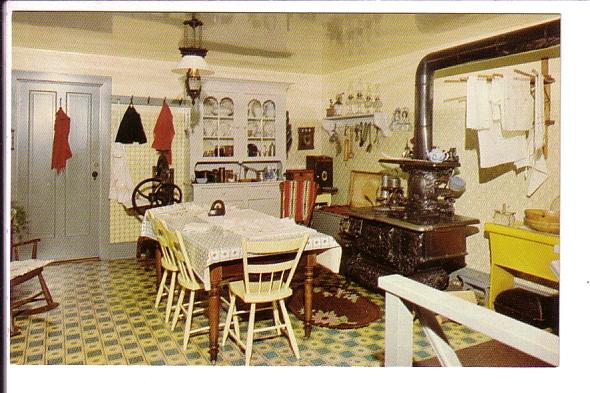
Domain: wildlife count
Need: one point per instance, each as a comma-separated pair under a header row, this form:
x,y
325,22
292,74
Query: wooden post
x,y
547,102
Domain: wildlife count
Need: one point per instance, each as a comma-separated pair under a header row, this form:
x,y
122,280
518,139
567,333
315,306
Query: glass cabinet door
x,y
261,129
219,128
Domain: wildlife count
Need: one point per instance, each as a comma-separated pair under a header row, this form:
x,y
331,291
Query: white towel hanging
x,y
538,171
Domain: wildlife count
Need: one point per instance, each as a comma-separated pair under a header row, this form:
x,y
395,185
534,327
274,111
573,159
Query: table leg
x,y
158,260
214,307
309,265
500,280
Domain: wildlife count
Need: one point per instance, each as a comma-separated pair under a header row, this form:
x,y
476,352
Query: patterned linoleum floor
x,y
106,316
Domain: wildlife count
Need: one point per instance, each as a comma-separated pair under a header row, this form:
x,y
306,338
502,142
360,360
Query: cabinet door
x,y
268,206
230,195
261,129
265,198
219,128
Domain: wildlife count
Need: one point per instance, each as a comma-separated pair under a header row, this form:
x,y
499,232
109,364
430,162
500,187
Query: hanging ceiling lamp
x,y
193,57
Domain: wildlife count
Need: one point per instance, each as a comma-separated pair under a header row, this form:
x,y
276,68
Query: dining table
x,y
214,247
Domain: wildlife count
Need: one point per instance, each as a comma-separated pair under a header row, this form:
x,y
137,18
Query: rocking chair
x,y
22,271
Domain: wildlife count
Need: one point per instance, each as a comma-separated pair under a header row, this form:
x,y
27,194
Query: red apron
x,y
61,146
164,133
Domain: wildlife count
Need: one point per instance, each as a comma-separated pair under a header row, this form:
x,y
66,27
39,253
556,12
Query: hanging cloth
x,y
164,133
121,187
538,171
61,146
131,129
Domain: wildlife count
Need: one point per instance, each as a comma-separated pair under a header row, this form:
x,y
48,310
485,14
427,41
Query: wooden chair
x,y
169,267
22,271
298,200
265,281
189,282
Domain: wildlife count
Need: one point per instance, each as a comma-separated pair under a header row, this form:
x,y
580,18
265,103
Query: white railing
x,y
427,302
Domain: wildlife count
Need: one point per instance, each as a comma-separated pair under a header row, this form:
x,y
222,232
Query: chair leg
x,y
228,318
170,299
290,333
50,303
275,314
189,318
161,288
178,307
250,336
14,330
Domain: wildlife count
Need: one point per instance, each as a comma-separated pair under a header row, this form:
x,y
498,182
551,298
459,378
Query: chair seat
x,y
168,266
239,289
189,284
20,268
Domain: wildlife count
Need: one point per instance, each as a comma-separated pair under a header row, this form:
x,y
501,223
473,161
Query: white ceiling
x,y
315,43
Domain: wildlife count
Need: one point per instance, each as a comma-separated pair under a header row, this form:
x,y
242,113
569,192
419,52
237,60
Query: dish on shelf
x,y
269,109
210,106
253,129
254,109
226,107
209,128
268,130
224,128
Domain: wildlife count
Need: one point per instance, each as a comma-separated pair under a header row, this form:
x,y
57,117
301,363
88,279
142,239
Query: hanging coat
x,y
164,133
131,129
61,146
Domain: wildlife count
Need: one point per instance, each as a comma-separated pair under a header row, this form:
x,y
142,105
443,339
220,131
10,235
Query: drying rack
x,y
547,81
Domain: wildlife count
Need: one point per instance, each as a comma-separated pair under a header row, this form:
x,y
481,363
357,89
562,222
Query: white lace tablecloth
x,y
216,239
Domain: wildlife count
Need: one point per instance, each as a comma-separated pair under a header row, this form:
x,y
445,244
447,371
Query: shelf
x,y
213,117
216,138
367,116
262,118
267,138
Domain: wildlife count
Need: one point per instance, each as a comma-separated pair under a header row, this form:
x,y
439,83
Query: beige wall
x,y
486,190
129,76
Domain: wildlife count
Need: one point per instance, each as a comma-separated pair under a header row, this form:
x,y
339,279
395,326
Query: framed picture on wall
x,y
305,138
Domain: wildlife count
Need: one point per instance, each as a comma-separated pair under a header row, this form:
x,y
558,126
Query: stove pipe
x,y
524,40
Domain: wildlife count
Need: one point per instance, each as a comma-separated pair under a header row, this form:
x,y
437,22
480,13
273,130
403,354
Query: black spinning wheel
x,y
153,192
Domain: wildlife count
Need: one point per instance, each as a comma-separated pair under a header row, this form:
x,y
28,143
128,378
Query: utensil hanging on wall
x,y
346,147
363,134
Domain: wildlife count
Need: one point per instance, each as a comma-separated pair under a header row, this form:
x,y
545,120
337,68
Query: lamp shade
x,y
193,62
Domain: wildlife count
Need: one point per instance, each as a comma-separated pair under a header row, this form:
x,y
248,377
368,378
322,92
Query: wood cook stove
x,y
422,237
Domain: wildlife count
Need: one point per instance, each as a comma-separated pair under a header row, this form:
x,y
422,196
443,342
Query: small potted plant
x,y
19,221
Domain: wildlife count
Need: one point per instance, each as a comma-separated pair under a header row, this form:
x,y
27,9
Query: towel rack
x,y
487,77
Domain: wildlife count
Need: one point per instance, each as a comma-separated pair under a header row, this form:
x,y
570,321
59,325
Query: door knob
x,y
94,175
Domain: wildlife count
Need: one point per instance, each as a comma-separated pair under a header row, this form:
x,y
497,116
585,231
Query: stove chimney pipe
x,y
524,40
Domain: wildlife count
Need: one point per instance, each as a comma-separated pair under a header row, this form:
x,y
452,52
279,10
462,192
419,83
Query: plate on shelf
x,y
268,130
226,107
254,109
210,106
209,128
253,129
269,109
224,128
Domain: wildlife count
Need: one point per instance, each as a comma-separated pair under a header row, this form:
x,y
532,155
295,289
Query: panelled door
x,y
63,209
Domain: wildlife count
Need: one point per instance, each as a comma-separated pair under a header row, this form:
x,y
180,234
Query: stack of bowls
x,y
542,220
